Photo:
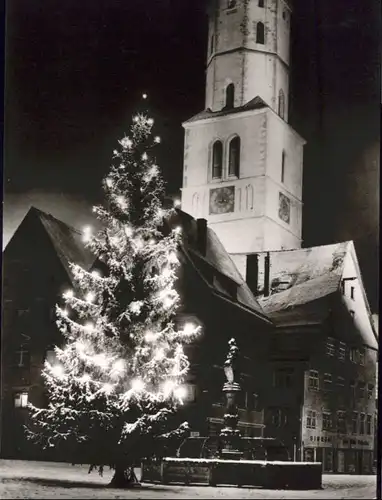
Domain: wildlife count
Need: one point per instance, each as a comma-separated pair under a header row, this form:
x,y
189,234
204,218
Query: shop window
x,y
308,455
21,399
313,380
330,347
311,419
328,460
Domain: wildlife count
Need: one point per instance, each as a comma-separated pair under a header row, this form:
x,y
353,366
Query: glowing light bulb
x,y
100,360
167,303
166,273
150,121
85,378
115,152
68,294
121,201
177,230
87,233
65,312
136,118
177,202
188,328
180,392
126,142
128,231
107,388
135,307
90,297
157,139
144,96
172,258
137,385
80,346
144,156
159,354
89,327
150,337
58,370
168,387
118,367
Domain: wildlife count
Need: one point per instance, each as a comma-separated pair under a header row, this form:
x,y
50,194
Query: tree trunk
x,y
124,478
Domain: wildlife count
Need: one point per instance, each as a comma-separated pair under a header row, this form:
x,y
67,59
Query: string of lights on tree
x,y
120,373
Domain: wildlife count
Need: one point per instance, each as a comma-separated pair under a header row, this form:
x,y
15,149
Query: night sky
x,y
75,71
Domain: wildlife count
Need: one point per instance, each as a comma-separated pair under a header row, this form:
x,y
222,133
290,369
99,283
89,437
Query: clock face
x,y
284,208
222,200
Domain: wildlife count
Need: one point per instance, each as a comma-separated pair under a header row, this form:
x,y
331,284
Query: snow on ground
x,y
21,479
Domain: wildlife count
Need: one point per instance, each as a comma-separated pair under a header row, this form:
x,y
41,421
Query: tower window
x,y
281,104
217,160
234,157
261,3
260,33
231,4
283,166
212,44
230,96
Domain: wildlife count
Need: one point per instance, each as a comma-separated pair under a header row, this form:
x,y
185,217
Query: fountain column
x,y
230,435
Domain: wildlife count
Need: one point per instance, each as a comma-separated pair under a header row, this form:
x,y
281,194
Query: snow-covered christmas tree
x,y
116,384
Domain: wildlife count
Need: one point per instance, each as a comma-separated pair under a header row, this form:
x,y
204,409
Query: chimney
x,y
252,272
267,265
201,236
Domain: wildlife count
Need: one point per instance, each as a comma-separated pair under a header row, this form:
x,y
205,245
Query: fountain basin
x,y
213,472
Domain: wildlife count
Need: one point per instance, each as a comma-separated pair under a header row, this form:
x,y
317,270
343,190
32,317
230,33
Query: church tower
x,y
242,160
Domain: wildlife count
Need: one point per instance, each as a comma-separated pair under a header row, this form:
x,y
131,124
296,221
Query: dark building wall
x,y
32,280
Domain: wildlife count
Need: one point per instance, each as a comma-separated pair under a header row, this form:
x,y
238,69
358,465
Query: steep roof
x,y
67,241
215,258
307,275
255,103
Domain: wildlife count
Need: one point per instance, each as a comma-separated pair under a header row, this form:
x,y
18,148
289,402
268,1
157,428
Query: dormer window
x,y
217,160
234,157
260,33
230,96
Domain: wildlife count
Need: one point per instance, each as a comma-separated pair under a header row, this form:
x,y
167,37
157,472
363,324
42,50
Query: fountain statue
x,y
230,435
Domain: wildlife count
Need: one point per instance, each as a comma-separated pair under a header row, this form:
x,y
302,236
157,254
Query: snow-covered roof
x,y
255,103
216,258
